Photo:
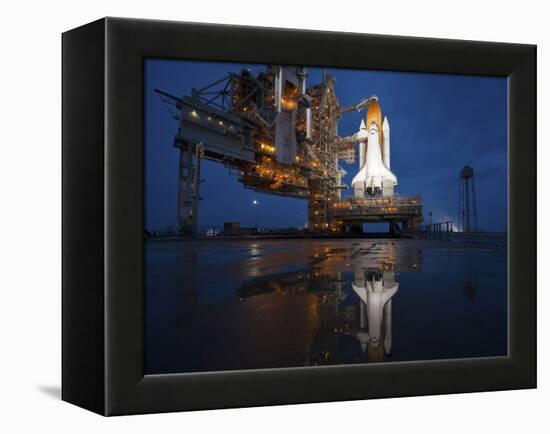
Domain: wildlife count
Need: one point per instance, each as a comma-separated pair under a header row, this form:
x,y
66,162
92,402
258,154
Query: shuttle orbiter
x,y
374,177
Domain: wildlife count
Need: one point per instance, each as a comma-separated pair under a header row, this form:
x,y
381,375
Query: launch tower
x,y
280,136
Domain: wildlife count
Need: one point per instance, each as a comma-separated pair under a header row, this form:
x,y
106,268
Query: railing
x,y
437,230
201,231
445,231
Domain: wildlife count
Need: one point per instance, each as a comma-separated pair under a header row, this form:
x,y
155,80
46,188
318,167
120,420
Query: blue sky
x,y
438,122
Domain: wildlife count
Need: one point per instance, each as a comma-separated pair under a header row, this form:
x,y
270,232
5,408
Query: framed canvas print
x,y
257,216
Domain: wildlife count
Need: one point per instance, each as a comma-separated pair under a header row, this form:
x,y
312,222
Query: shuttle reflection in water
x,y
267,304
349,292
375,291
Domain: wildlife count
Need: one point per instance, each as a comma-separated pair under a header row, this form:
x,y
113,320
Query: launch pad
x,y
349,215
281,137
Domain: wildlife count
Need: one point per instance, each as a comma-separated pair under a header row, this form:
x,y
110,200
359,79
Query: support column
x,y
188,190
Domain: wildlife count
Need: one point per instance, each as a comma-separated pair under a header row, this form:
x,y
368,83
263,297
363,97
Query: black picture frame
x,y
103,172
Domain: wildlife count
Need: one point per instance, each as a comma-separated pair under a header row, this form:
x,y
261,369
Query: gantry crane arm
x,y
364,103
170,101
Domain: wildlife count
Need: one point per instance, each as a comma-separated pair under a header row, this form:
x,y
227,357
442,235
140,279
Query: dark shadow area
x,y
51,391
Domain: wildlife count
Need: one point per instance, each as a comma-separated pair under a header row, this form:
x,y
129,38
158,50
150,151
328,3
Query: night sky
x,y
438,124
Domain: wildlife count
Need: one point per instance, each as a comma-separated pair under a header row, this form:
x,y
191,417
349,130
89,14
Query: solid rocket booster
x,y
374,176
386,142
362,144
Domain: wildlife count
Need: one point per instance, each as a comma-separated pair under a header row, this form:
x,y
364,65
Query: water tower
x,y
467,207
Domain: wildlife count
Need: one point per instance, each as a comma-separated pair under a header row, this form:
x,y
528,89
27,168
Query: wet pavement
x,y
252,304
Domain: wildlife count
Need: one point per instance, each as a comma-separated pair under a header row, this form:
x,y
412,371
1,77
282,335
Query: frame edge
x,y
83,217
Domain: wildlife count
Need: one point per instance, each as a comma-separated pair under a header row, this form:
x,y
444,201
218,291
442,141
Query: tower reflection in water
x,y
361,329
349,293
230,305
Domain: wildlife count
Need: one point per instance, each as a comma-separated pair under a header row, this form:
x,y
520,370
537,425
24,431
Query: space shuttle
x,y
374,177
375,292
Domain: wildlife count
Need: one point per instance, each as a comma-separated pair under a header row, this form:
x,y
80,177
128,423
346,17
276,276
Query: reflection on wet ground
x,y
224,305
